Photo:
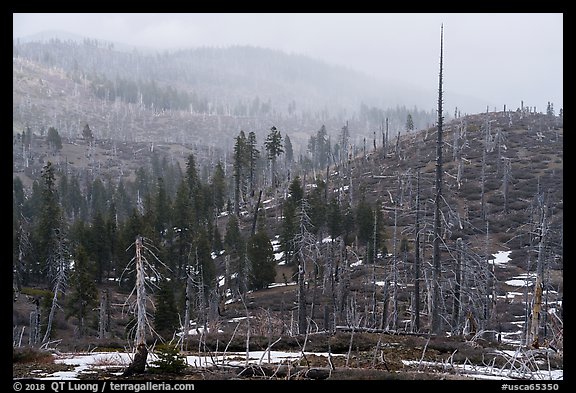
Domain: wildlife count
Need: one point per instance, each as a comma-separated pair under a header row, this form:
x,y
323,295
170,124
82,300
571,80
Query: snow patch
x,y
519,283
501,258
281,284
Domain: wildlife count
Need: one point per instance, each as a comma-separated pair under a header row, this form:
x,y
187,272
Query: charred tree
x,y
436,325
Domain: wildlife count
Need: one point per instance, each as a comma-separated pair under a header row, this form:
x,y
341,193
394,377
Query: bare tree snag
x,y
436,325
138,364
537,300
416,325
104,315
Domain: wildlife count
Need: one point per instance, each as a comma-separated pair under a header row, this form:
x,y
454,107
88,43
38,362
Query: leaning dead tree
x,y
60,265
145,272
436,321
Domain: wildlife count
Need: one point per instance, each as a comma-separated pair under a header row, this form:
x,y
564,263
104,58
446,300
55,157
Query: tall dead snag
x,y
436,325
483,172
459,144
395,261
416,323
537,299
188,304
140,264
304,241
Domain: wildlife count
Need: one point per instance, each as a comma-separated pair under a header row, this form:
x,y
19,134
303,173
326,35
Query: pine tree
x,y
334,219
82,297
289,157
49,223
344,144
409,123
53,139
204,262
98,246
288,231
317,206
217,245
236,250
274,148
195,189
183,231
87,134
219,187
99,197
296,191
260,253
319,146
166,314
252,155
364,221
233,239
161,210
77,200
239,166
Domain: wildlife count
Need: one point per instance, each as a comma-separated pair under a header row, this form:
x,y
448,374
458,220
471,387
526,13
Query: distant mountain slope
x,y
138,97
230,74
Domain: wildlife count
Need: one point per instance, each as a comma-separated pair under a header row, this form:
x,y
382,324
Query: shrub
x,y
36,292
31,355
169,359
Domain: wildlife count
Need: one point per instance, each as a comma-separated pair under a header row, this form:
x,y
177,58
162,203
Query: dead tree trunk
x,y
457,305
35,317
255,219
395,267
140,296
538,286
506,181
59,285
138,364
104,315
187,305
436,325
416,324
483,173
301,299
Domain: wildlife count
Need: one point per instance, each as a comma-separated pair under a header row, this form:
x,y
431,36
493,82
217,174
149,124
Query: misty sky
x,y
497,58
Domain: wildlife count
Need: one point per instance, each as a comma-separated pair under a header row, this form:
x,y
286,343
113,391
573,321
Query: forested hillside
x,y
255,240
224,213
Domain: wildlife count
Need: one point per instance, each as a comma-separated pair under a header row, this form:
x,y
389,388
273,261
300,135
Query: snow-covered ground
x,y
89,362
489,372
